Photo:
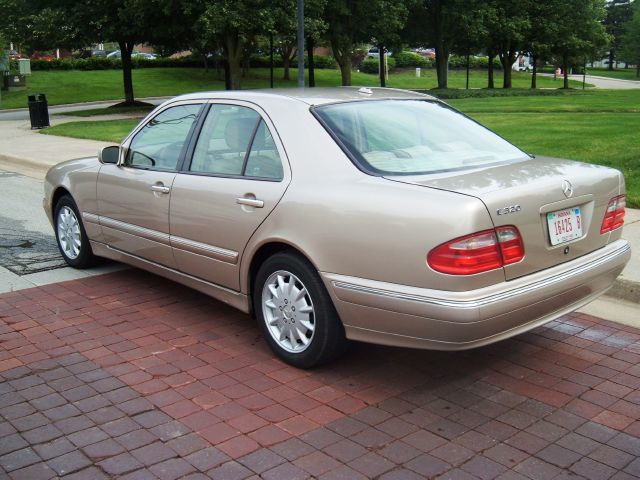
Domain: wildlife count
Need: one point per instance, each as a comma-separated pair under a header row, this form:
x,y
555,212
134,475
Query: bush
x,y
320,61
460,61
411,59
263,61
370,65
103,63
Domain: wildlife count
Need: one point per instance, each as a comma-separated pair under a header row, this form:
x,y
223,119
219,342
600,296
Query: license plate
x,y
564,225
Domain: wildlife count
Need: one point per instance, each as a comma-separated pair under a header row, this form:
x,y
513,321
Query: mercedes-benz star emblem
x,y
567,188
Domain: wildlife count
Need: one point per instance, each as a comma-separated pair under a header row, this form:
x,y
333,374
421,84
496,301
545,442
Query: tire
x,y
71,237
301,326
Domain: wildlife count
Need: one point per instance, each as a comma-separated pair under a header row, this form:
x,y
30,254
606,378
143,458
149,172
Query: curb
x,y
83,104
9,160
625,290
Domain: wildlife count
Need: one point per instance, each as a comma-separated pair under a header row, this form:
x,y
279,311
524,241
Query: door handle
x,y
252,202
160,188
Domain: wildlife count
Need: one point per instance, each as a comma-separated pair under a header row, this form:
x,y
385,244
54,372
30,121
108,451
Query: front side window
x,y
409,137
236,141
159,144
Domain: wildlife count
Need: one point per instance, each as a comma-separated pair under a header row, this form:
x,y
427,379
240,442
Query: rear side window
x,y
236,141
408,137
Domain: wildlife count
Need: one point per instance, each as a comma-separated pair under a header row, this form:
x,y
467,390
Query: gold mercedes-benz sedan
x,y
376,215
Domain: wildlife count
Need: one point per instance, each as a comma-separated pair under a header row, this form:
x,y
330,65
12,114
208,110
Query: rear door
x,y
134,197
236,176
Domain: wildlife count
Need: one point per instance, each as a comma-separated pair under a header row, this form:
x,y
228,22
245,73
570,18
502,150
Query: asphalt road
x,y
27,244
29,254
609,83
603,82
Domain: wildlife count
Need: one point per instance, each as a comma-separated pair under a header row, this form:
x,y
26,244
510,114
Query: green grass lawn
x,y
621,73
601,101
106,130
602,138
599,127
74,86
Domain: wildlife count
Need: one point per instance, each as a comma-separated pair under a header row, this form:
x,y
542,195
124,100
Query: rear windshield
x,y
408,137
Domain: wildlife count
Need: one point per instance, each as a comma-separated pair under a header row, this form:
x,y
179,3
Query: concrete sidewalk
x,y
30,153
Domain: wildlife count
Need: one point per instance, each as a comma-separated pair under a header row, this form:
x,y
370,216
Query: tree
x,y
473,32
441,24
619,12
580,32
540,35
631,39
355,21
233,26
285,24
507,26
314,29
65,23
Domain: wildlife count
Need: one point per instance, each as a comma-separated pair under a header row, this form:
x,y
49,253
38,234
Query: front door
x,y
134,197
235,178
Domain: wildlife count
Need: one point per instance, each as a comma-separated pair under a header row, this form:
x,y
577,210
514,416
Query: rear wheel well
x,y
264,252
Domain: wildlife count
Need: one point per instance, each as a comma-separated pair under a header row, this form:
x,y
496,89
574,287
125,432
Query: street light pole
x,y
301,43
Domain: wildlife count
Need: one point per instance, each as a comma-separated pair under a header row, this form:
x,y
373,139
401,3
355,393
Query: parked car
x,y
376,215
426,52
46,55
147,56
93,53
374,52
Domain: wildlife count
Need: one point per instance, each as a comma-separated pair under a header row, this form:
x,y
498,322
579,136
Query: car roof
x,y
312,96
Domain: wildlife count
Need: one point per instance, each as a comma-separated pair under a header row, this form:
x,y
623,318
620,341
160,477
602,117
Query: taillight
x,y
478,252
614,215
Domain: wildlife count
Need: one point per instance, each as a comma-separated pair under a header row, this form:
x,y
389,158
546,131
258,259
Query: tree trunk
x,y
638,70
233,52
490,83
565,71
506,59
442,67
342,54
286,64
125,51
441,48
534,73
287,55
612,57
310,62
345,71
227,75
381,66
271,60
467,84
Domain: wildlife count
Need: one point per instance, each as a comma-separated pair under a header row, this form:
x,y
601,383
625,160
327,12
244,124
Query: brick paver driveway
x,y
131,375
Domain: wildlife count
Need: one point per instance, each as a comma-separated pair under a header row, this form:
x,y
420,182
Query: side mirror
x,y
109,154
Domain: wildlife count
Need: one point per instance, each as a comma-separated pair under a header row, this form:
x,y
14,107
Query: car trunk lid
x,y
524,193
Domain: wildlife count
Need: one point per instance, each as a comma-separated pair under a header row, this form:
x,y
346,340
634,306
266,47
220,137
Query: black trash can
x,y
38,111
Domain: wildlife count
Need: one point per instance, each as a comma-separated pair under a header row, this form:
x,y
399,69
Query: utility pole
x,y
301,43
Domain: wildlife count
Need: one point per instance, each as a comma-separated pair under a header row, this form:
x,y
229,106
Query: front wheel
x,y
70,235
295,312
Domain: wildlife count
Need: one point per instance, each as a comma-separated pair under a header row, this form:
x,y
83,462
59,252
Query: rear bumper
x,y
399,315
